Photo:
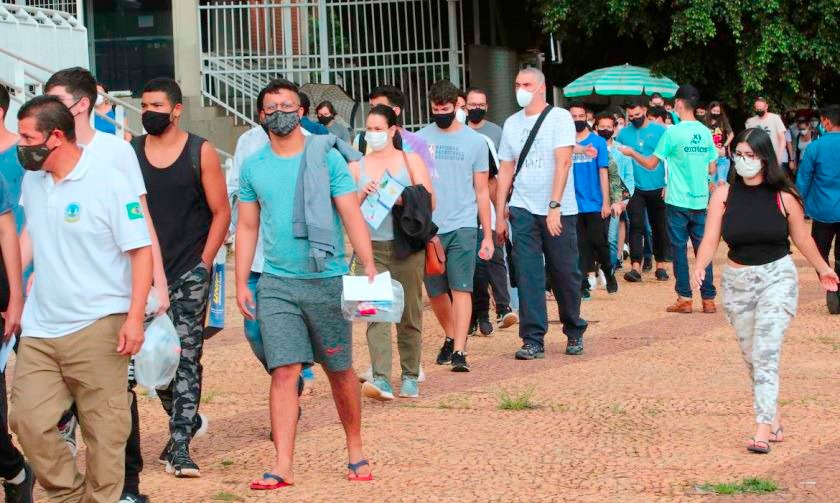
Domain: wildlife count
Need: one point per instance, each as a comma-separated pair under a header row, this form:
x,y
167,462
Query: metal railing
x,y
73,7
356,44
27,83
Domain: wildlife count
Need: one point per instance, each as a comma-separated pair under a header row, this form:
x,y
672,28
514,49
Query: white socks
x,y
19,479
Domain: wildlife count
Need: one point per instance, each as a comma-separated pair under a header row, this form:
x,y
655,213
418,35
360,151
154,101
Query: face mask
x,y
461,116
714,115
99,99
605,133
523,97
443,121
32,157
155,123
701,114
760,113
282,123
377,139
637,122
747,168
325,119
476,115
580,126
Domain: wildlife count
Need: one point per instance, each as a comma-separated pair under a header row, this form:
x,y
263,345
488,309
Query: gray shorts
x,y
459,246
301,322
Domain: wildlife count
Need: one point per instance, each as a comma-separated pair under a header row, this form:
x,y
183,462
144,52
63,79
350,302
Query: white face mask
x,y
747,168
99,99
523,97
377,139
461,116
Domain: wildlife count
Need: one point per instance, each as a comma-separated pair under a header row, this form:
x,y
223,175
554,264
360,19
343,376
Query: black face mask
x,y
714,116
476,115
325,119
637,122
605,133
155,123
580,126
33,157
760,113
443,121
701,114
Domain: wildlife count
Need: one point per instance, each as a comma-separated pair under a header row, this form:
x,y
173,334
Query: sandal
x,y
262,486
355,477
759,446
774,435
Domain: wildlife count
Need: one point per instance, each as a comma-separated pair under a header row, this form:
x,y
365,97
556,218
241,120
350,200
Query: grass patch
x,y
454,402
208,396
226,496
560,407
518,400
227,462
830,341
617,408
746,486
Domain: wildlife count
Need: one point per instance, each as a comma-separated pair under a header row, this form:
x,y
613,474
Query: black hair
x,y
702,105
393,94
167,86
443,92
636,102
5,99
391,118
77,81
723,120
831,113
50,114
762,146
463,95
103,86
655,95
605,115
304,103
274,87
477,90
576,104
657,113
328,104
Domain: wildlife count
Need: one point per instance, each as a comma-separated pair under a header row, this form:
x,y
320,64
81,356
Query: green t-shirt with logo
x,y
688,149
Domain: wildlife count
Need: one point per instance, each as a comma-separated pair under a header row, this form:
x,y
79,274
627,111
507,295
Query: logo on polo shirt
x,y
134,211
72,213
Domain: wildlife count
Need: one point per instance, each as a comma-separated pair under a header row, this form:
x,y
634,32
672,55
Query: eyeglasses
x,y
283,107
473,106
747,156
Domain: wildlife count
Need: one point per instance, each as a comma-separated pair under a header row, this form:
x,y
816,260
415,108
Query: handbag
x,y
435,254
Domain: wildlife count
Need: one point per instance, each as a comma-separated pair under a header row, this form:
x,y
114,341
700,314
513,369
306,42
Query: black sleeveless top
x,y
753,225
178,206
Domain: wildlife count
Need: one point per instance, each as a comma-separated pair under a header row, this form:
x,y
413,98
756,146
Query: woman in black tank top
x,y
755,215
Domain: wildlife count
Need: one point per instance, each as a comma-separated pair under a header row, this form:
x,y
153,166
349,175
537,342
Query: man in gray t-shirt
x,y
463,200
476,110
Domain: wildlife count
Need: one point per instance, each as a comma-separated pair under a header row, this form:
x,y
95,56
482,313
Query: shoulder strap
x,y
530,141
781,204
195,144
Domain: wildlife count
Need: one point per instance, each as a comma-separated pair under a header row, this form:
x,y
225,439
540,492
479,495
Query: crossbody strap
x,y
527,147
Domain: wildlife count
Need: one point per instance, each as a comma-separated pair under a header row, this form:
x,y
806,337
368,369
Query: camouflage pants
x,y
188,306
760,302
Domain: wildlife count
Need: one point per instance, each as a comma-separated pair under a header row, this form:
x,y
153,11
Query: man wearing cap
x,y
691,157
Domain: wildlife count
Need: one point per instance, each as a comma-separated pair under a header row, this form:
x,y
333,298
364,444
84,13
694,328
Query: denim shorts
x,y
459,246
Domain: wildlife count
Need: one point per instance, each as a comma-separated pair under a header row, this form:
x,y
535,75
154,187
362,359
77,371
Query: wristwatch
x,y
553,204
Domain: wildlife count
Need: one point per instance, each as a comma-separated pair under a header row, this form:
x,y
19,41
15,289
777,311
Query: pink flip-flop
x,y
262,486
355,477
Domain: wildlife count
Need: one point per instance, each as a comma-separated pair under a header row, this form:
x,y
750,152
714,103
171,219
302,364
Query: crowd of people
x,y
513,217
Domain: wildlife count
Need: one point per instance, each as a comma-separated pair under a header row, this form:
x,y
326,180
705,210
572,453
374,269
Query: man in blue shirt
x,y
818,180
307,123
642,136
592,191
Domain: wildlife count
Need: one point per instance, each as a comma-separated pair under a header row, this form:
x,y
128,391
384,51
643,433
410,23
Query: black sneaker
x,y
23,492
574,346
832,301
164,454
445,355
530,352
133,498
585,295
612,283
662,275
485,327
179,462
459,362
647,264
632,276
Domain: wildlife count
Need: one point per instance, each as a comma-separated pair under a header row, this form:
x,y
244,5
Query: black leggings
x,y
593,244
649,201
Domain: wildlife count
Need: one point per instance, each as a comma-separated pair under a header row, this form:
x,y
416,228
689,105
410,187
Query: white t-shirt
x,y
118,153
81,229
772,124
532,188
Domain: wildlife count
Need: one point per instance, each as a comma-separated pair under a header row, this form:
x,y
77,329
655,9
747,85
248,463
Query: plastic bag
x,y
156,363
370,311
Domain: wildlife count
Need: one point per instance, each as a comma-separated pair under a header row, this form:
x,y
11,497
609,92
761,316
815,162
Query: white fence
x,y
356,44
73,7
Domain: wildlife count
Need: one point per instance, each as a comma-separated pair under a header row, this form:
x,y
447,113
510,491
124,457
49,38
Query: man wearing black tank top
x,y
189,206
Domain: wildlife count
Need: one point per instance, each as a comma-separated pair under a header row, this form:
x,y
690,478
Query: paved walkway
x,y
658,404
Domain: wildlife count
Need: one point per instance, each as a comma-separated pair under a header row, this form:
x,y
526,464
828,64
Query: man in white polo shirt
x,y
84,316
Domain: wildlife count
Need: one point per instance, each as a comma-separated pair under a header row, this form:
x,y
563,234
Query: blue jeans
x,y
685,224
533,249
252,331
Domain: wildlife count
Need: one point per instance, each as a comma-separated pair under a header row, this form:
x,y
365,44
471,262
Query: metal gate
x,y
356,44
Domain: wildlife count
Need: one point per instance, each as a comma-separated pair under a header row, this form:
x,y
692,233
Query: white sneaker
x,y
205,425
593,281
366,376
68,434
602,280
421,377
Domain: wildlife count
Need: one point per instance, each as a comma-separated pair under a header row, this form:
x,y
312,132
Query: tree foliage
x,y
788,50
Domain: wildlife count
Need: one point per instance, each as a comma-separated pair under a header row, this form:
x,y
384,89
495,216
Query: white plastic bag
x,y
156,363
370,311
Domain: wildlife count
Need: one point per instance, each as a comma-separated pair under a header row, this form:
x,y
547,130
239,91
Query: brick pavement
x,y
658,403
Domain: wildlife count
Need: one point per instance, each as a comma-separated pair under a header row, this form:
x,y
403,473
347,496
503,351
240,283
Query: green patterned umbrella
x,y
622,80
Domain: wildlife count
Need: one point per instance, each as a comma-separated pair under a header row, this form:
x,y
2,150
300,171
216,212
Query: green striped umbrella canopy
x,y
622,80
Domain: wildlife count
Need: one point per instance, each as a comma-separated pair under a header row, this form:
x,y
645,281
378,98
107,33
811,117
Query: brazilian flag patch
x,y
134,211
